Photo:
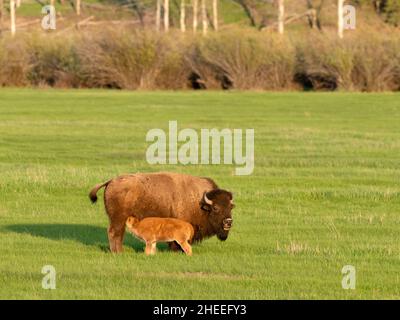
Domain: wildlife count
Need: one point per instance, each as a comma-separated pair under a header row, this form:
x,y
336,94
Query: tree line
x,y
205,12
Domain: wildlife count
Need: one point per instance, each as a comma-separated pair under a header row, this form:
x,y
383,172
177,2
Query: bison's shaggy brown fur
x,y
167,195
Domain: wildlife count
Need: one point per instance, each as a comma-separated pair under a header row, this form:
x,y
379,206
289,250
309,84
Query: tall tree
x,y
248,11
281,16
1,14
215,14
314,19
139,8
195,14
158,15
12,17
183,18
78,7
204,16
340,18
166,15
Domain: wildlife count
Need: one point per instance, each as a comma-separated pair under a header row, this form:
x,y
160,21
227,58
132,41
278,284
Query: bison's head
x,y
218,203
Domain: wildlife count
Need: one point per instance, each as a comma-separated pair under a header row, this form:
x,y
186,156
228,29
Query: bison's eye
x,y
215,208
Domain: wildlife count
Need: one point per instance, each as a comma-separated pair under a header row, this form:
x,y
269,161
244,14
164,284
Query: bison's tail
x,y
93,193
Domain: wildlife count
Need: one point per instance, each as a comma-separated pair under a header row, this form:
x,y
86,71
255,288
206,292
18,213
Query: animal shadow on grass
x,y
86,234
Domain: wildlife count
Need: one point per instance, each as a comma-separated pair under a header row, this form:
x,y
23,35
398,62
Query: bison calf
x,y
153,230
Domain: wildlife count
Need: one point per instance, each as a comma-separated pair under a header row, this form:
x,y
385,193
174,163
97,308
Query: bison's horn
x,y
206,200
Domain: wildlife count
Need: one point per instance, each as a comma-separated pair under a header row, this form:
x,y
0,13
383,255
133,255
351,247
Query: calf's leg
x,y
186,247
153,248
150,248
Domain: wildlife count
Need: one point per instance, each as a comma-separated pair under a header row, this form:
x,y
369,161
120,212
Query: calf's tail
x,y
93,192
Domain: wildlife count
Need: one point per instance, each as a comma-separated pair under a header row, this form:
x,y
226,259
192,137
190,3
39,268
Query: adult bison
x,y
196,200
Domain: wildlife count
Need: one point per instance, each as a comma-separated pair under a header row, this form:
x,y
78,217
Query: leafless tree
x,y
215,14
281,16
195,14
1,14
158,15
139,8
78,7
166,15
204,18
248,10
182,16
314,18
12,17
340,18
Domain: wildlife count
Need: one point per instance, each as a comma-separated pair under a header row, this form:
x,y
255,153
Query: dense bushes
x,y
140,60
237,59
243,61
362,62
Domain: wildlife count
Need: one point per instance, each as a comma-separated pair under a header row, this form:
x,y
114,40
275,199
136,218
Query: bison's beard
x,y
222,235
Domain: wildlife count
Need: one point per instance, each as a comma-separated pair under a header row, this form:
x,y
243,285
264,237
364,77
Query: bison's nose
x,y
227,223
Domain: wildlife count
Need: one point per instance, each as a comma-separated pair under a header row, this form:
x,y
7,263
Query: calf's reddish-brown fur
x,y
153,230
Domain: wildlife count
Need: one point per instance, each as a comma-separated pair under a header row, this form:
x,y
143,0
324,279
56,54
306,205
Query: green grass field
x,y
324,193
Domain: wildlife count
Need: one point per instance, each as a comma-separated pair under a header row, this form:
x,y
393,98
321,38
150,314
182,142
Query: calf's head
x,y
130,222
218,204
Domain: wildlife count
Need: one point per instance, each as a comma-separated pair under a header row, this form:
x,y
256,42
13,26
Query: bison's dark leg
x,y
174,246
116,233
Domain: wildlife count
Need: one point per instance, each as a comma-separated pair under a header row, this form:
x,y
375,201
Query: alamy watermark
x,y
49,280
349,17
195,147
349,278
49,20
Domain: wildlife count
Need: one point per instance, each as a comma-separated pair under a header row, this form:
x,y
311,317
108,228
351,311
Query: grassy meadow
x,y
324,193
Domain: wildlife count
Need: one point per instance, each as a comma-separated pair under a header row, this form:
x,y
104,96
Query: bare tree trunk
x,y
158,15
183,23
248,11
195,14
319,9
204,16
340,18
377,5
78,7
281,16
1,14
12,17
215,14
314,18
166,15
